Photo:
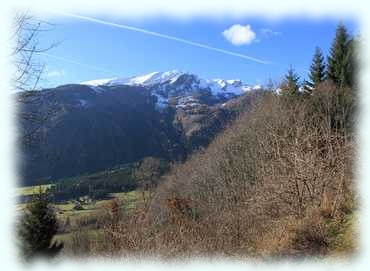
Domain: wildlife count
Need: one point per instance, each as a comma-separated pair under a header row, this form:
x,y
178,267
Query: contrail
x,y
160,35
75,62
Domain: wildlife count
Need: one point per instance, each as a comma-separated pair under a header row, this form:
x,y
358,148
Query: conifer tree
x,y
37,228
270,85
290,86
352,62
317,71
339,60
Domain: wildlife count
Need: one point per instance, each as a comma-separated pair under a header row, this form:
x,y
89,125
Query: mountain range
x,y
99,124
182,88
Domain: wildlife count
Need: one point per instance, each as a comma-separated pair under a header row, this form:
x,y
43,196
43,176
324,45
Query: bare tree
x,y
26,33
34,111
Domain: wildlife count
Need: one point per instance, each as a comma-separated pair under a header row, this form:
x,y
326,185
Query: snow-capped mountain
x,y
103,123
143,80
180,86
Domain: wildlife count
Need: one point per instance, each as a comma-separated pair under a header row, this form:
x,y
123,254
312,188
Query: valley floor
x,y
75,217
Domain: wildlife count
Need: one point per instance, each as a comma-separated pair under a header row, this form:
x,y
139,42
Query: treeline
x,y
340,67
278,182
100,185
95,186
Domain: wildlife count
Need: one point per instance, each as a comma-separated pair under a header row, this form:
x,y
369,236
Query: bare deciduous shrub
x,y
310,237
79,243
263,187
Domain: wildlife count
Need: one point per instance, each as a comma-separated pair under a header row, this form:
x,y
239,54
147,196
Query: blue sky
x,y
105,51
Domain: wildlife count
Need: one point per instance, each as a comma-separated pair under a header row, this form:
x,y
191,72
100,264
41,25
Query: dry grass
x,y
31,190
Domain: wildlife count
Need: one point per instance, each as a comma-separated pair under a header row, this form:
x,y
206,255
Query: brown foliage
x,y
262,188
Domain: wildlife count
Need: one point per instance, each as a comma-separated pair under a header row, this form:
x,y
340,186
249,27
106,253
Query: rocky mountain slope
x,y
104,123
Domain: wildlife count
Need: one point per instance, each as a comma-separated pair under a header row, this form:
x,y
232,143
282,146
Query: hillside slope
x,y
278,182
93,127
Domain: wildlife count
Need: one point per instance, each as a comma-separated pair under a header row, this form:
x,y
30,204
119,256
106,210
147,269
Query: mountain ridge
x,y
103,125
168,84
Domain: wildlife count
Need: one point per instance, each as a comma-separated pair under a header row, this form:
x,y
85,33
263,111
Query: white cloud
x,y
55,73
239,34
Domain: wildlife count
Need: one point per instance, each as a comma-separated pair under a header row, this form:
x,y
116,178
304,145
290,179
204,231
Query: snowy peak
x,y
175,79
98,82
142,80
151,78
186,88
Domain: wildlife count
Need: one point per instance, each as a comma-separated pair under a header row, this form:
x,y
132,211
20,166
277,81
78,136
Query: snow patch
x,y
83,103
257,87
98,82
97,89
161,101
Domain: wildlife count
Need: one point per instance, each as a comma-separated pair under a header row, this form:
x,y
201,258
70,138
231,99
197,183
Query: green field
x,y
30,190
93,234
67,209
89,211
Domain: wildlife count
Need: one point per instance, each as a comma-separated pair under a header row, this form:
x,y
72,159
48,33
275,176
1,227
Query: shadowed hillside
x,y
93,128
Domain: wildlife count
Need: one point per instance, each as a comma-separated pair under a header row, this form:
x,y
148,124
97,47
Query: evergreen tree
x,y
352,62
270,85
37,228
290,86
317,71
340,58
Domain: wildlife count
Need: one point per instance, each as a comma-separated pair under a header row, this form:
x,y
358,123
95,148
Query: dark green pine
x,y
37,228
290,85
339,60
317,70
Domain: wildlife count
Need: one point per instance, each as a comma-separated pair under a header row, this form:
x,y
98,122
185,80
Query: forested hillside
x,y
82,129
